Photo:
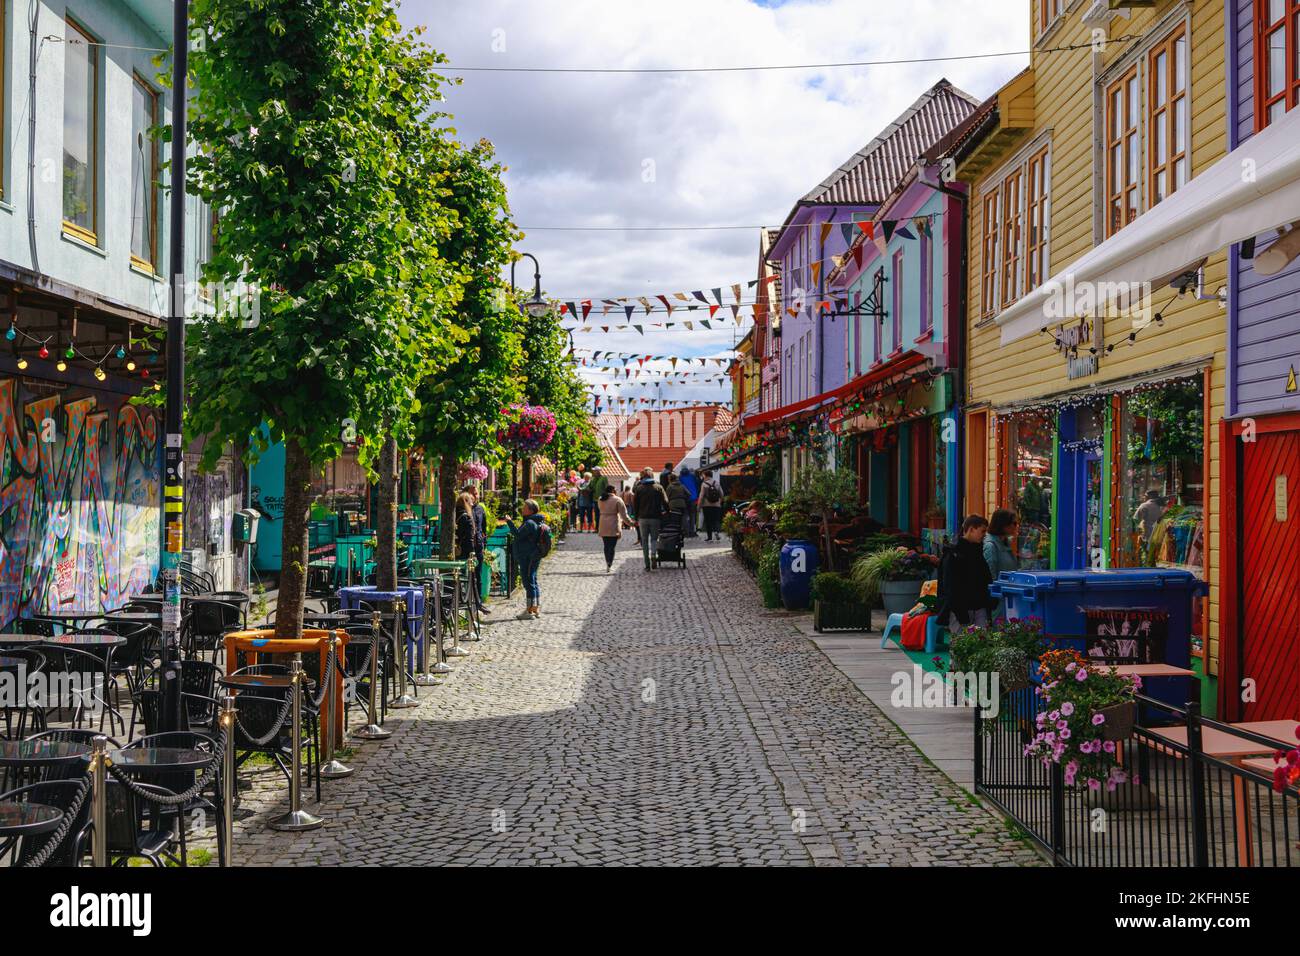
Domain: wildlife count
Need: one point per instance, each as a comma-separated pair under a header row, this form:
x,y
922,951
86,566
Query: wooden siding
x,y
1065,86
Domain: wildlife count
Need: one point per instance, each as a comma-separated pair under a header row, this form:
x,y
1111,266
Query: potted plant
x,y
935,517
1006,648
769,575
1089,709
837,604
893,576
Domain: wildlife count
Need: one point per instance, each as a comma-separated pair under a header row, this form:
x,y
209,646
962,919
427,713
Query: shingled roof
x,y
870,174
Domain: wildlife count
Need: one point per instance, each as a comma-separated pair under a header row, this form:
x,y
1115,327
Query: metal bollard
x,y
472,594
424,676
297,818
372,730
456,649
440,665
331,767
228,788
403,700
99,799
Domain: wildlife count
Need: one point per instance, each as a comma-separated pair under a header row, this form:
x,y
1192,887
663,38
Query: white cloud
x,y
731,148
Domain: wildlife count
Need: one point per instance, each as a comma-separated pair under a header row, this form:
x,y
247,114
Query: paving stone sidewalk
x,y
645,718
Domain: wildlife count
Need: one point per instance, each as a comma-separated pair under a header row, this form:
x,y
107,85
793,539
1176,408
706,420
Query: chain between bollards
x,y
426,677
297,818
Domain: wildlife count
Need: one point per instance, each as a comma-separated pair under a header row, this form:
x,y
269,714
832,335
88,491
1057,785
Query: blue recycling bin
x,y
799,562
1062,598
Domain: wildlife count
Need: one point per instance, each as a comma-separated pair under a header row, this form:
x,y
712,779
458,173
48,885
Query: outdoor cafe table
x,y
37,755
70,618
1234,750
160,758
85,640
256,681
1152,670
351,599
134,617
21,640
253,643
330,619
27,819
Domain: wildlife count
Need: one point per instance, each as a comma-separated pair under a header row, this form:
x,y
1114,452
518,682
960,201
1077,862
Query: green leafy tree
x,y
303,115
551,380
460,408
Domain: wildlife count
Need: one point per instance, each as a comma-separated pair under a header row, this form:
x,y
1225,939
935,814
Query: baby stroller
x,y
672,537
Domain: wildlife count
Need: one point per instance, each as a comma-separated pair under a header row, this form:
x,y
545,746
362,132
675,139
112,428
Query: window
x,y
1037,186
1029,437
877,324
896,342
927,282
1009,281
1121,152
80,133
1048,11
144,176
1167,116
989,260
1277,59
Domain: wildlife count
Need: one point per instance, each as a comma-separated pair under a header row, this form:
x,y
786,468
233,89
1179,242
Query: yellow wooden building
x,y
1099,430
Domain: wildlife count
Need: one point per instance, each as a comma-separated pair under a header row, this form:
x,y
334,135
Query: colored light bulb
x,y
62,366
99,373
44,352
121,352
22,364
11,333
70,352
130,366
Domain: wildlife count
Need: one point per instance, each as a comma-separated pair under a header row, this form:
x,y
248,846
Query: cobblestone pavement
x,y
659,718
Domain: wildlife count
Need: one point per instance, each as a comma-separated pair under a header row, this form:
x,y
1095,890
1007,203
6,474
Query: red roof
x,y
650,438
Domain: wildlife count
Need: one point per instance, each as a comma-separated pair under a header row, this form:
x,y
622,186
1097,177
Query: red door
x,y
1270,574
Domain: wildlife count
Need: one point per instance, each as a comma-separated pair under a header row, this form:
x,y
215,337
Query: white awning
x,y
1249,192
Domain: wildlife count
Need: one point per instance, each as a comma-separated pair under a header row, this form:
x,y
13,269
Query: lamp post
x,y
173,498
536,307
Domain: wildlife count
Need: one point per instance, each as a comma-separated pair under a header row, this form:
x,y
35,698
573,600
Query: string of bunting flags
x,y
880,233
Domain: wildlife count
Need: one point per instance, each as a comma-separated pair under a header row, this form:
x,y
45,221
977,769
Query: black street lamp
x,y
536,306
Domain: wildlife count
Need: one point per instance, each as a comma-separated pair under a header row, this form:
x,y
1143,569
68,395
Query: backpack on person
x,y
544,540
712,494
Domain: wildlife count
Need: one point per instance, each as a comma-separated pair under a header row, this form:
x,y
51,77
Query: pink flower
x,y
1067,708
1081,674
1098,719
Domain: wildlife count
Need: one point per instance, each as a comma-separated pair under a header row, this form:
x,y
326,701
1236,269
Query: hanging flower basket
x,y
471,471
530,428
1120,719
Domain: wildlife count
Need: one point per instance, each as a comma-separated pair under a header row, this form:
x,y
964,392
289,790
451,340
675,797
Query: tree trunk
x,y
293,548
447,506
386,520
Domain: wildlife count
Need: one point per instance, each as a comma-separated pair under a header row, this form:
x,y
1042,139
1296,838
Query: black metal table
x,y
27,819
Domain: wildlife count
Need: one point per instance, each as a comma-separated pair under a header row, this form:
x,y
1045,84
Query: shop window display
x,y
1161,508
1030,437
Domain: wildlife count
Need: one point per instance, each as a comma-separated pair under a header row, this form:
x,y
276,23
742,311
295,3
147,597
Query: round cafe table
x,y
85,640
135,617
41,753
160,758
352,598
27,819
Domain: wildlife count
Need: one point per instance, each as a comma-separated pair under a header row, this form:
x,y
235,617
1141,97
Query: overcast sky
x,y
590,149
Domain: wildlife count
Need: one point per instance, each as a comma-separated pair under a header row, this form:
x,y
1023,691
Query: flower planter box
x,y
841,616
899,597
1120,721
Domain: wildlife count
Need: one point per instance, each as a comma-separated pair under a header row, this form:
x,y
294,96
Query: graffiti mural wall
x,y
79,499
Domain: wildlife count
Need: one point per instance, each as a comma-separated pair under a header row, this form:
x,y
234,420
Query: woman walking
x,y
710,505
1000,550
584,503
466,529
613,519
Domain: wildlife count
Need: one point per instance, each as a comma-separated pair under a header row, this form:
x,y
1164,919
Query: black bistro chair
x,y
69,796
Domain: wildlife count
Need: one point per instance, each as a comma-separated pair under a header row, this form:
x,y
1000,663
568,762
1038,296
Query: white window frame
x,y
997,181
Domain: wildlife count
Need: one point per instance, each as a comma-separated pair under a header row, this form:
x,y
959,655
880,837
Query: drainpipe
x,y
33,21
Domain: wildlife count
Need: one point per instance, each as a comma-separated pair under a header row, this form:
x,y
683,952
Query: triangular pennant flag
x,y
717,294
563,308
682,295
705,323
752,283
826,230
881,245
573,309
869,228
846,230
699,295
904,232
605,307
690,325
735,313
922,224
628,310
713,309
735,290
645,303
824,305
816,272
888,226
586,307
857,256
639,330
674,363
604,328
667,304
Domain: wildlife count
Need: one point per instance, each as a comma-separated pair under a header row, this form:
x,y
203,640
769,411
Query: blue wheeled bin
x,y
1059,598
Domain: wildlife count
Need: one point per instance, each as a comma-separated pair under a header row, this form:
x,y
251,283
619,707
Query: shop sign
x,y
1075,343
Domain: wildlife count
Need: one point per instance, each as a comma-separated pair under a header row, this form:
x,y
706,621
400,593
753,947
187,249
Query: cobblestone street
x,y
659,718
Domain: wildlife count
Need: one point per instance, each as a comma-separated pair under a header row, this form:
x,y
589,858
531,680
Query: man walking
x,y
691,484
648,504
598,484
710,504
666,476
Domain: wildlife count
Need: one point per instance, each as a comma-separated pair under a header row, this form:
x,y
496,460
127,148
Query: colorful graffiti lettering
x,y
78,513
